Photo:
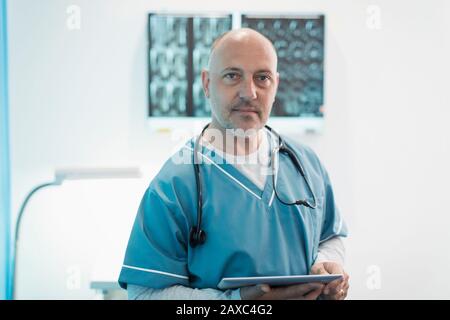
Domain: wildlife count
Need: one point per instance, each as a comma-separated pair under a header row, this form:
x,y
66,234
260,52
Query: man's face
x,y
242,81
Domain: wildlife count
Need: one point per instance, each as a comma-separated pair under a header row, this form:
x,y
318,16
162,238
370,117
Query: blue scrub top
x,y
249,231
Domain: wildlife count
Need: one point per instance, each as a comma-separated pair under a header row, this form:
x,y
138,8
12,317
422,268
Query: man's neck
x,y
230,142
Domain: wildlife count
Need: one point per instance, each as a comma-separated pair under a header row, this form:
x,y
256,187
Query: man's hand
x,y
307,291
337,289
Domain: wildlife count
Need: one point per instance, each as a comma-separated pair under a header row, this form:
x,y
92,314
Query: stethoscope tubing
x,y
197,235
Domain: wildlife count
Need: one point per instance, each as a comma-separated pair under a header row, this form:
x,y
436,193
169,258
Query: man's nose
x,y
247,90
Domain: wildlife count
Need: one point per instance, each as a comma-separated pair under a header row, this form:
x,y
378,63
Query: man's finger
x,y
318,269
344,284
345,288
342,293
313,295
254,292
333,287
302,289
295,291
311,286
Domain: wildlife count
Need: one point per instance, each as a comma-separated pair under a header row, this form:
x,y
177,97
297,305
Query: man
x,y
250,229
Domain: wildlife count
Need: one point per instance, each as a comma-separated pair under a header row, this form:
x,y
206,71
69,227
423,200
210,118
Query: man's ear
x,y
205,82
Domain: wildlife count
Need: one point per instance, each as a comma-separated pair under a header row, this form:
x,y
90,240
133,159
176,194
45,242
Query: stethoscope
x,y
197,235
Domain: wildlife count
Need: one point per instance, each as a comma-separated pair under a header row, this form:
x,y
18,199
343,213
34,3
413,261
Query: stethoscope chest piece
x,y
197,237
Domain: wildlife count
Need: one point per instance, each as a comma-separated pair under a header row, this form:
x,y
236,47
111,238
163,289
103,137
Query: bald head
x,y
241,38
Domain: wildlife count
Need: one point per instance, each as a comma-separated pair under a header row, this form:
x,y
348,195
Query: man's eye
x,y
263,77
231,76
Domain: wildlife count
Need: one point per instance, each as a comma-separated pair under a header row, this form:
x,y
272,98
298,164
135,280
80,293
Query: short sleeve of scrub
x,y
333,223
157,251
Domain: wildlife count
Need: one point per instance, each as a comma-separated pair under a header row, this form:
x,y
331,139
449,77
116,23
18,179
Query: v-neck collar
x,y
234,173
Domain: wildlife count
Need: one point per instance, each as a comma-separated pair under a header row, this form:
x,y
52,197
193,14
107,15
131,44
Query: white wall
x,y
78,98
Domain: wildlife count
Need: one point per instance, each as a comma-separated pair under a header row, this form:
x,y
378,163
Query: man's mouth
x,y
246,110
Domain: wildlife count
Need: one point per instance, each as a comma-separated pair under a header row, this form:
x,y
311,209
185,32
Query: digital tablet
x,y
232,283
